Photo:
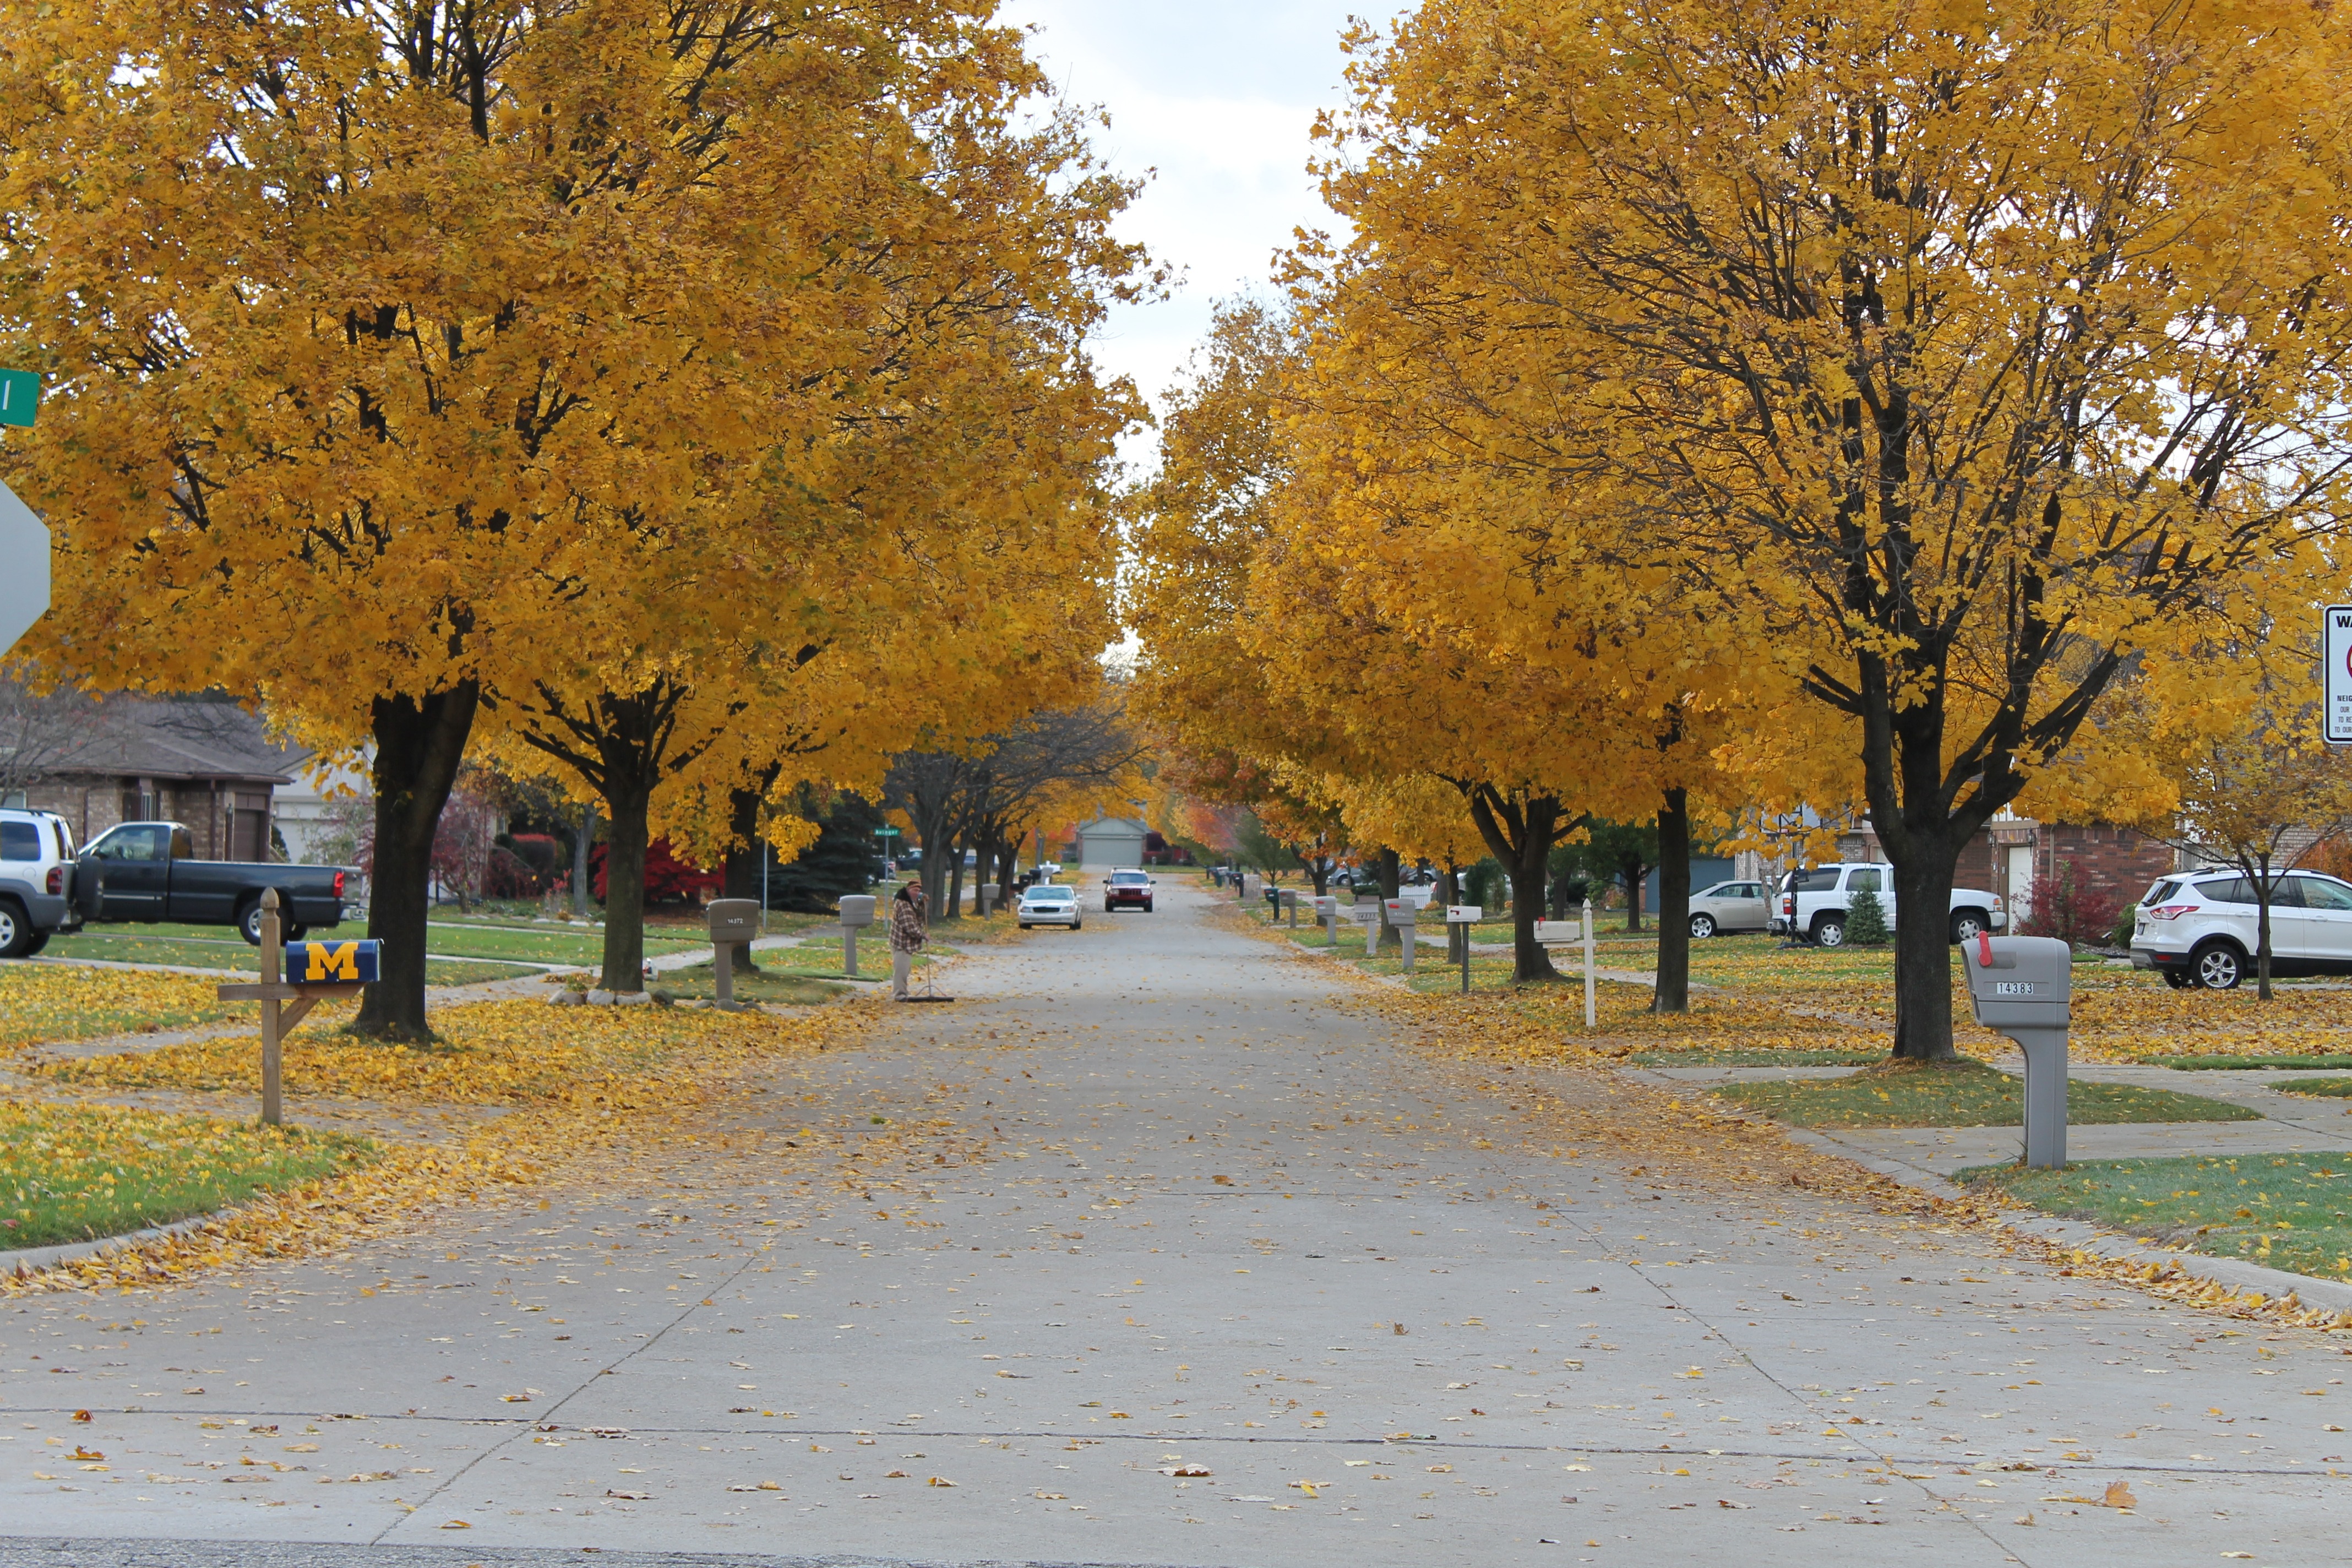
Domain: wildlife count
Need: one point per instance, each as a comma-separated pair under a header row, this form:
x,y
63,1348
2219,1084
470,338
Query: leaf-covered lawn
x,y
77,1173
495,1053
2289,1211
1967,1094
41,1002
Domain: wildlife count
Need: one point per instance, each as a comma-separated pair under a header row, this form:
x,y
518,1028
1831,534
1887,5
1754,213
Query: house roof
x,y
188,738
1119,826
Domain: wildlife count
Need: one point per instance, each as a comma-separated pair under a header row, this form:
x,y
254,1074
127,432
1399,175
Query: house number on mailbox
x,y
2013,988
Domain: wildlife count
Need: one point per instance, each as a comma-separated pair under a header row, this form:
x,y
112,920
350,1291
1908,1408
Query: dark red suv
x,y
1126,890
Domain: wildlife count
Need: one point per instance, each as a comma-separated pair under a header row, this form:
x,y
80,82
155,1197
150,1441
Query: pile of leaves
x,y
72,1172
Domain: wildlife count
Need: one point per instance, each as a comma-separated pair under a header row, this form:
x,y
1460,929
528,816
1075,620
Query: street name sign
x,y
2337,673
20,396
24,569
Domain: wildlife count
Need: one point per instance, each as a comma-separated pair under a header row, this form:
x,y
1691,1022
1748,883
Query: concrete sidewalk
x,y
1159,1248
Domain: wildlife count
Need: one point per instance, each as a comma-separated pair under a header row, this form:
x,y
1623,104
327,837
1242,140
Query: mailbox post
x,y
319,970
1290,905
1368,915
1327,914
734,922
1464,916
1401,912
857,914
2022,987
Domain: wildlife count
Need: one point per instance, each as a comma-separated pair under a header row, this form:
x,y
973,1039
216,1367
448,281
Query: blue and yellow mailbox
x,y
330,963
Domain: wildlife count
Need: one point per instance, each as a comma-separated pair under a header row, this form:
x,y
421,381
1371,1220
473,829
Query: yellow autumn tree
x,y
383,338
1953,354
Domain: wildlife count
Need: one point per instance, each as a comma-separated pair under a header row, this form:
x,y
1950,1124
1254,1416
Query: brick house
x,y
199,761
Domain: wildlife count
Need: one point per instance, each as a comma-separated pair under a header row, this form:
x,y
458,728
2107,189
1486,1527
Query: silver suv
x,y
37,872
2198,928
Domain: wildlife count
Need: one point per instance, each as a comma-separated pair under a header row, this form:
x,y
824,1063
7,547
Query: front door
x,y
2020,883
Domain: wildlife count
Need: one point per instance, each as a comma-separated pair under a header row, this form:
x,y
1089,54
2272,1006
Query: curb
x,y
30,1260
2233,1273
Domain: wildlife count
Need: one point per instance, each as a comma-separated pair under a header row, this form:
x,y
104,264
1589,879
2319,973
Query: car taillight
x,y
1787,903
57,879
2172,911
338,884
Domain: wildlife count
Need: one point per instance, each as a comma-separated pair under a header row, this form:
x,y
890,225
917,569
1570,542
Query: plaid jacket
x,y
906,926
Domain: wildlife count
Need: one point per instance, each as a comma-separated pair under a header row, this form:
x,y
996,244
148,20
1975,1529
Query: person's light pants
x,y
901,966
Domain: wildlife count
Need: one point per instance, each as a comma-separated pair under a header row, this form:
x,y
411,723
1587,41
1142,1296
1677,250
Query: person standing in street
x,y
907,934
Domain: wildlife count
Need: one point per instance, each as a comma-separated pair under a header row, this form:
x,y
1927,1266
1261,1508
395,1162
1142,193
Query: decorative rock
x,y
566,998
600,998
632,999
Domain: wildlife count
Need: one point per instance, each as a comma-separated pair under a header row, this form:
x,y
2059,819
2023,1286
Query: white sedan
x,y
1050,904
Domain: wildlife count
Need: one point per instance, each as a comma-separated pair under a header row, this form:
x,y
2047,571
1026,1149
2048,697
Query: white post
x,y
1591,1018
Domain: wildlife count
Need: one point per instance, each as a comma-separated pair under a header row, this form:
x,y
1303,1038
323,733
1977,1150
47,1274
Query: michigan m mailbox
x,y
295,979
2024,986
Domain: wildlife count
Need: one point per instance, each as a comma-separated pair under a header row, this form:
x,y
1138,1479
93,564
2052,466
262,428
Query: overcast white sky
x,y
1218,96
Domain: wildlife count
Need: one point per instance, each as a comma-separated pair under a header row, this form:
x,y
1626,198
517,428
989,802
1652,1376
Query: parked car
x,y
1050,904
37,873
1815,900
1128,888
149,871
2199,928
1729,907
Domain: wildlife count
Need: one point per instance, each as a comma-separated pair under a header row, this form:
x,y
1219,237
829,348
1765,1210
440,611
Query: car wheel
x,y
1147,906
1025,925
1829,931
1702,926
34,943
295,931
1968,925
2177,979
249,921
16,931
1077,925
2218,967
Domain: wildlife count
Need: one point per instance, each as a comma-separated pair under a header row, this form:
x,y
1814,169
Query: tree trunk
x,y
1672,994
1922,947
1008,868
2264,885
1634,874
1320,869
1457,937
951,907
580,846
745,851
627,794
1536,823
418,745
1388,872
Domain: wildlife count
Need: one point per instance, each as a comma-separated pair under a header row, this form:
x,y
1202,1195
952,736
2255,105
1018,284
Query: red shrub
x,y
2077,914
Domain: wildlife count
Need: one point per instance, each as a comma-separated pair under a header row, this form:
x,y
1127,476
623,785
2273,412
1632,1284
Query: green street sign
x,y
20,394
886,833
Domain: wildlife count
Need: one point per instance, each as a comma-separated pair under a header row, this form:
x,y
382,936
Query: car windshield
x,y
1130,878
1049,895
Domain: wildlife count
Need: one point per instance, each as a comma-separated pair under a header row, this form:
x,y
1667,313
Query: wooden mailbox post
x,y
327,969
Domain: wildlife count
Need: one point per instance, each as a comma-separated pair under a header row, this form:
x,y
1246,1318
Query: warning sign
x,y
2336,676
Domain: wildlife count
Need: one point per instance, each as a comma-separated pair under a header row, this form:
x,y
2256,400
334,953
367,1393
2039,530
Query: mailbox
x,y
858,910
1327,915
733,919
1367,911
1464,914
334,962
2024,986
1401,910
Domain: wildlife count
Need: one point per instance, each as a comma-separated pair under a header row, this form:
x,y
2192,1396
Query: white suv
x,y
37,872
2198,928
1816,903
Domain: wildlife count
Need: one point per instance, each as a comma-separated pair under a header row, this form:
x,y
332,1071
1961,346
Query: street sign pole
x,y
2336,674
24,540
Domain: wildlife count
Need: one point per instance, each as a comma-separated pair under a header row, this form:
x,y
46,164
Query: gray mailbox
x,y
1327,915
734,922
1401,914
1289,903
857,914
2024,986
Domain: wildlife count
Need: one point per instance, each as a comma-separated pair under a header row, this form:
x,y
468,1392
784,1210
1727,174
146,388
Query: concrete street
x,y
1292,1287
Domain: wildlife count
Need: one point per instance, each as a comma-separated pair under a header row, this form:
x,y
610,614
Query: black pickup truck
x,y
149,871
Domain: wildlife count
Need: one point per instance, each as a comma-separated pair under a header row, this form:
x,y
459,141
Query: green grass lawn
x,y
778,984
1967,1094
132,944
2209,1064
2338,1088
2289,1211
78,1172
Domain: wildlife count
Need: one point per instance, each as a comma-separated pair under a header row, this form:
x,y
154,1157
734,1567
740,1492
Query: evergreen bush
x,y
1865,919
